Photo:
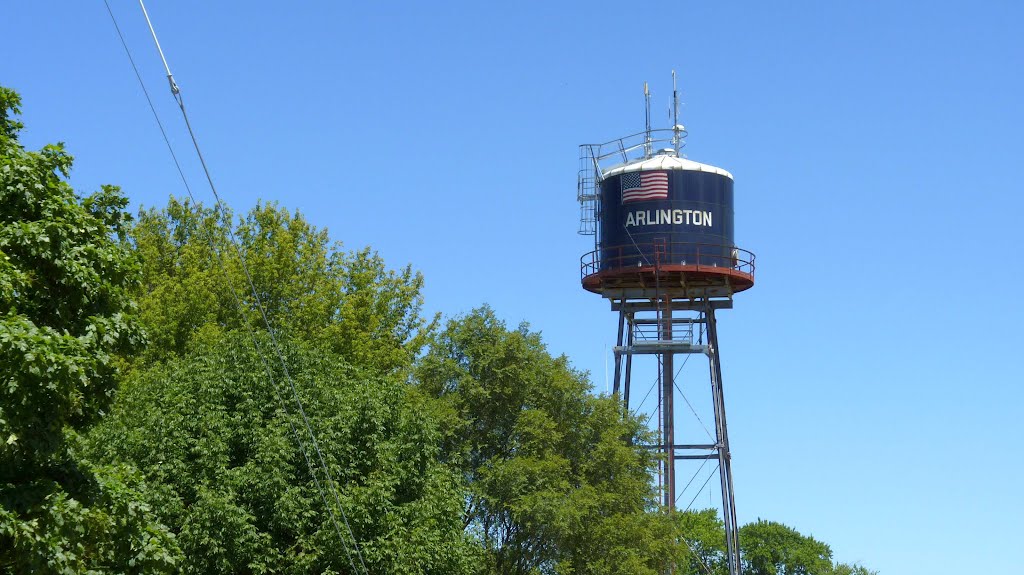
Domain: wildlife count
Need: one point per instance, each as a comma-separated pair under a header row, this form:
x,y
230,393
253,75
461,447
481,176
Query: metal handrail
x,y
623,146
597,159
705,257
674,331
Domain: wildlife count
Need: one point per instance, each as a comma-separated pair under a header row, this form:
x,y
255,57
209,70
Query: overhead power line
x,y
221,207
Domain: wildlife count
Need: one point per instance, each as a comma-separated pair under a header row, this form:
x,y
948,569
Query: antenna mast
x,y
676,128
647,118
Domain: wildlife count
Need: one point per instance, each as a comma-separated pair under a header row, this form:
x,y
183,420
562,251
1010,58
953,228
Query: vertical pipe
x,y
668,413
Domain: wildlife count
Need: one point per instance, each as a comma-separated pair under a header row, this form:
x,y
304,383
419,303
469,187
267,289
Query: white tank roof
x,y
665,162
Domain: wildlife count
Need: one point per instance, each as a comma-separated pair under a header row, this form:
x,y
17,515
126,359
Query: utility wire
x,y
238,306
176,92
690,482
149,101
222,209
683,539
675,380
636,246
712,474
696,555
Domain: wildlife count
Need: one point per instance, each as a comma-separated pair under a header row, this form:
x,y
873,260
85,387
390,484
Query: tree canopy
x,y
214,440
66,321
771,548
310,288
557,479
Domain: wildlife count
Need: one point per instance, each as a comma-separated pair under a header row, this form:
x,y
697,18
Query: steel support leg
x,y
724,456
629,361
618,355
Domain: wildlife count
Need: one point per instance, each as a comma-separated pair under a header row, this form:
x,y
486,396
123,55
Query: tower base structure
x,y
666,323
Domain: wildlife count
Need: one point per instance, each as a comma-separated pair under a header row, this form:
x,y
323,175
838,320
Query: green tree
x,y
770,548
847,569
556,480
311,288
227,475
66,274
702,534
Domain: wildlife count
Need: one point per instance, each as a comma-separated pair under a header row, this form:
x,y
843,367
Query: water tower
x,y
665,258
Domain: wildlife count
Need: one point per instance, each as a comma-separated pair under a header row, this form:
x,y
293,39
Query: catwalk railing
x,y
669,256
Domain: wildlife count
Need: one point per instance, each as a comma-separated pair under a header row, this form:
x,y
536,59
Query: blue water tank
x,y
665,210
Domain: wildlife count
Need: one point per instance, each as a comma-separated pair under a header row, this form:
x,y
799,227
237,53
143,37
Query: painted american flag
x,y
641,186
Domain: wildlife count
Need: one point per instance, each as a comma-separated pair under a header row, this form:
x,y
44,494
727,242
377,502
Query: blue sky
x,y
871,375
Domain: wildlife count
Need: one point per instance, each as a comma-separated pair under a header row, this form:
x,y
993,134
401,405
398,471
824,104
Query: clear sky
x,y
872,376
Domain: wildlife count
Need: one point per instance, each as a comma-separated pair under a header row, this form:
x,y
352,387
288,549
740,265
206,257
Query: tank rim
x,y
710,267
668,276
